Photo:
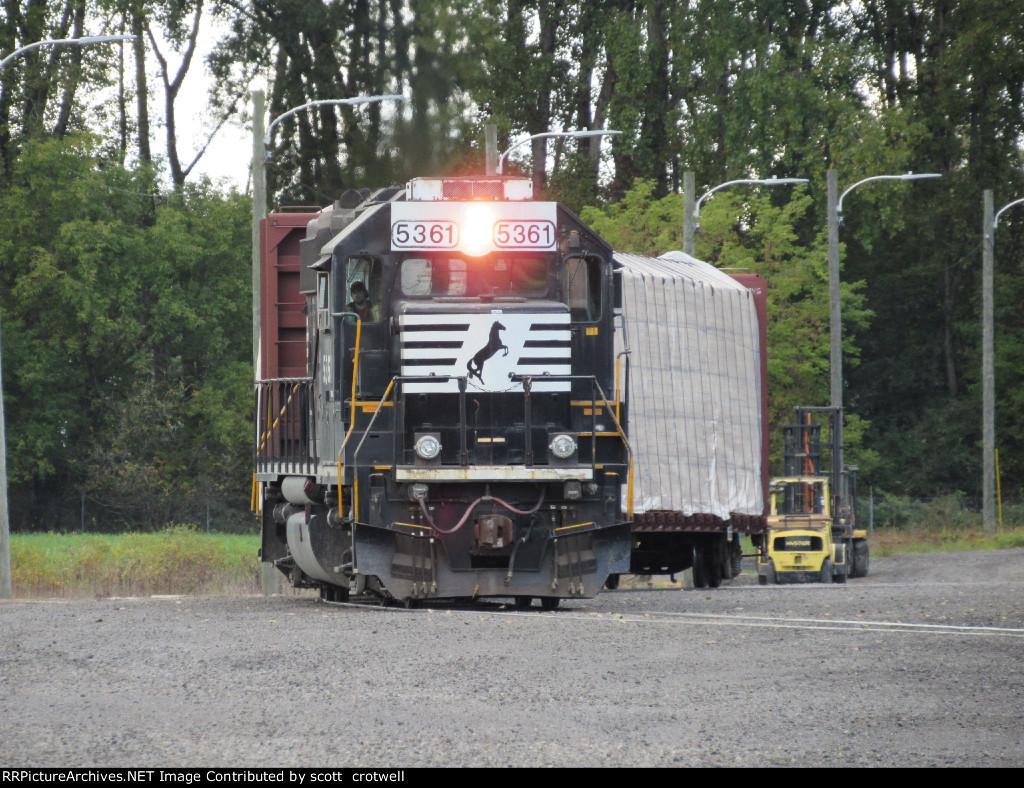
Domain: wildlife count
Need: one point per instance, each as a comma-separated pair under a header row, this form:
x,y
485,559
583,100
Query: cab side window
x,y
363,288
583,288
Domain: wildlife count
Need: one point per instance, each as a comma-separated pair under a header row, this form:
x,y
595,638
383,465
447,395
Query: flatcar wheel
x,y
549,602
713,569
736,558
700,570
523,602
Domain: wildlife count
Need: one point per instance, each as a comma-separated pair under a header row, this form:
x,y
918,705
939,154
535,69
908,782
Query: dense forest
x,y
124,276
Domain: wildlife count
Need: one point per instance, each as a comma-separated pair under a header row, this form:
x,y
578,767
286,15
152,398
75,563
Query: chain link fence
x,y
78,513
877,509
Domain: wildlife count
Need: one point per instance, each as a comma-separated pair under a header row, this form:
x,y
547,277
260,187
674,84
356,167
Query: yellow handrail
x,y
254,501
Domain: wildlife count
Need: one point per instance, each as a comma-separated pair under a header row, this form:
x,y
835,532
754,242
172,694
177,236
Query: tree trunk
x,y
141,85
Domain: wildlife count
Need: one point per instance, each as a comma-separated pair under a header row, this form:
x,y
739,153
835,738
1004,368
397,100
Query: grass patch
x,y
183,560
887,542
940,525
176,560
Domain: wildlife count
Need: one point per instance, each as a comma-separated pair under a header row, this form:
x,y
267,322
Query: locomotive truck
x,y
447,372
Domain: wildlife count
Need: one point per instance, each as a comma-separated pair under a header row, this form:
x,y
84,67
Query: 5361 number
x,y
437,234
521,234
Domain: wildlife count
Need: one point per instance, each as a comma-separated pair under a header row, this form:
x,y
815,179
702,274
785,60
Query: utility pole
x,y
259,213
689,220
490,149
268,576
5,523
988,397
835,325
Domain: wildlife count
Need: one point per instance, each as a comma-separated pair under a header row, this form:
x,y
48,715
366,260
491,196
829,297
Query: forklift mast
x,y
803,449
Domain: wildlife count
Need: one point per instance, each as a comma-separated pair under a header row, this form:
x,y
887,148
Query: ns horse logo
x,y
475,366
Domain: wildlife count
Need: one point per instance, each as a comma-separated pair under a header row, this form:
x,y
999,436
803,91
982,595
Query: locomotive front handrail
x,y
593,433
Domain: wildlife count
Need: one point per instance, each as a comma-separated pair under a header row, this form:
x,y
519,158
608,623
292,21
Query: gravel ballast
x,y
919,664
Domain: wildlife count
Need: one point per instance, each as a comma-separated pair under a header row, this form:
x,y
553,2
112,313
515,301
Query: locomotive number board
x,y
473,228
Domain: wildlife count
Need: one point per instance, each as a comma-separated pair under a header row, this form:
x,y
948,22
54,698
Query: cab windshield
x,y
439,276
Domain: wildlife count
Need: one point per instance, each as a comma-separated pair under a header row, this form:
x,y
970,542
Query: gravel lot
x,y
919,664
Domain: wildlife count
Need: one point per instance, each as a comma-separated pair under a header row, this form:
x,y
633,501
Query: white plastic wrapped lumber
x,y
695,387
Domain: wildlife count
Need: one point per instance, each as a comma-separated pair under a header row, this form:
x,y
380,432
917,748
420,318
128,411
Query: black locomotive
x,y
458,429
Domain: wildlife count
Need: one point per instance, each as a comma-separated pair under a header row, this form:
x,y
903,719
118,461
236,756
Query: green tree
x,y
126,335
949,82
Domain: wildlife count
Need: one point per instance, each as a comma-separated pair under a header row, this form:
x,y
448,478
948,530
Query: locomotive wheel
x,y
523,602
333,594
549,602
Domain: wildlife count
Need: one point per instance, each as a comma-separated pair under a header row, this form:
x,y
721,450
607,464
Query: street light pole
x,y
5,519
835,324
259,212
835,218
988,399
691,219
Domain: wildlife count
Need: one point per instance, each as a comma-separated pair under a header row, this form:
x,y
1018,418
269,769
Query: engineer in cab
x,y
362,305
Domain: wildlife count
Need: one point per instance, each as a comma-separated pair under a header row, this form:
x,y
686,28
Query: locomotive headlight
x,y
477,230
563,446
428,447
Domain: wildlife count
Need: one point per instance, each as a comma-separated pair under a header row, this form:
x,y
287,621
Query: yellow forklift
x,y
812,535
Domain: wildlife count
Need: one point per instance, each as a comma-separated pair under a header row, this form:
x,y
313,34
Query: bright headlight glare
x,y
428,447
477,229
562,446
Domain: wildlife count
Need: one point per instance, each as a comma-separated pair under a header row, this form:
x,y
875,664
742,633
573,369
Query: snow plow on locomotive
x,y
440,406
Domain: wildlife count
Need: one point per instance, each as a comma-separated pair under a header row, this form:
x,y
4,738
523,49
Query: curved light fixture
x,y
69,41
321,102
907,176
583,133
755,182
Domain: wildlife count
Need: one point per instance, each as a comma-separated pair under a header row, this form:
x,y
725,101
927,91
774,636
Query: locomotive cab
x,y
460,432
